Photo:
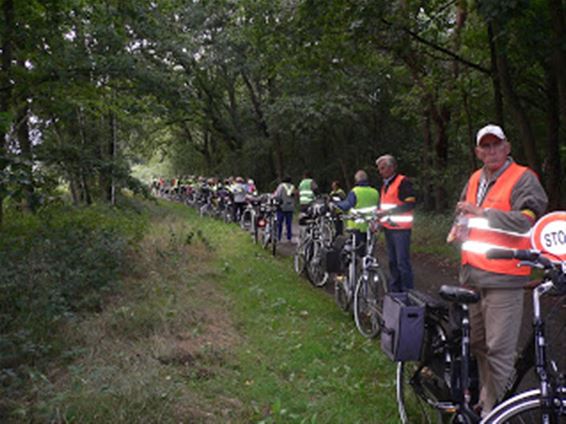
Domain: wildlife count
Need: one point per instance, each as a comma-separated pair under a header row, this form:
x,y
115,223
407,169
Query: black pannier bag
x,y
332,257
403,327
332,261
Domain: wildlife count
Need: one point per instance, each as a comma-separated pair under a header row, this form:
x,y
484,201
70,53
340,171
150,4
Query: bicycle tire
x,y
317,276
255,232
526,408
273,236
368,298
340,296
266,236
246,220
327,233
300,257
412,407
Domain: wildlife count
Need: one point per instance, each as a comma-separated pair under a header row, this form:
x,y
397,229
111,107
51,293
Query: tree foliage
x,y
265,88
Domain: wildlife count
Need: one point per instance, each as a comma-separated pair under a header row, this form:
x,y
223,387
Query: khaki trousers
x,y
495,326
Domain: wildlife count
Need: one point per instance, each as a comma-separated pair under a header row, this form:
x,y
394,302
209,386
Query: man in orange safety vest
x,y
500,203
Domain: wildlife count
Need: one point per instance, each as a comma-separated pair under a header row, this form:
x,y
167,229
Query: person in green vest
x,y
336,192
308,189
362,197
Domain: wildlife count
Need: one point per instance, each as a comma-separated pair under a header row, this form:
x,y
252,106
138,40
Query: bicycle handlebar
x,y
528,255
554,270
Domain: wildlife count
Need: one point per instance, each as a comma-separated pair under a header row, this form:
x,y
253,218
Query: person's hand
x,y
469,209
380,213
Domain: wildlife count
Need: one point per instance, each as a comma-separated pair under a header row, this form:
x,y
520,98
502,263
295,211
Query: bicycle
x,y
248,221
308,254
370,290
364,274
547,403
442,384
268,222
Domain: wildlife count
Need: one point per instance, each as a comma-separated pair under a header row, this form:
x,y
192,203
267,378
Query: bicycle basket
x,y
403,327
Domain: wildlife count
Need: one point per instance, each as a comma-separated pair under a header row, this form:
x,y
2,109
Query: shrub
x,y
54,265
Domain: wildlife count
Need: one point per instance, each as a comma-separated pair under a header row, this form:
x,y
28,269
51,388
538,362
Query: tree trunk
x,y
497,96
5,86
558,31
520,116
427,164
551,166
27,156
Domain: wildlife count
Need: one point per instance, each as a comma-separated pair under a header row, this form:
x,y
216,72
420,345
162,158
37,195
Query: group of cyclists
x,y
336,243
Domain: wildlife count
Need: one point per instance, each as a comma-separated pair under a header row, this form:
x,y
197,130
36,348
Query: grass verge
x,y
210,328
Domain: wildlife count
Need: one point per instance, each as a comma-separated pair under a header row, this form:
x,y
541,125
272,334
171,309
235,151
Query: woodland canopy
x,y
264,88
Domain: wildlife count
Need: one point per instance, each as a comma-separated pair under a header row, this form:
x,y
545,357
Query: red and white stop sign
x,y
549,235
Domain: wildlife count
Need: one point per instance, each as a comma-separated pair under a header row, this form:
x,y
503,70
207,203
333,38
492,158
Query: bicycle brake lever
x,y
531,264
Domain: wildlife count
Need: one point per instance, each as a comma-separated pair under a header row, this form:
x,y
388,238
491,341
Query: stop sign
x,y
549,235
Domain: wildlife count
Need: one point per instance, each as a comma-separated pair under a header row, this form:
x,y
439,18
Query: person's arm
x,y
314,187
348,203
407,196
528,203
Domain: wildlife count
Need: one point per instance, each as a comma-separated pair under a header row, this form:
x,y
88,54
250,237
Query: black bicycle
x,y
308,256
268,223
547,402
442,385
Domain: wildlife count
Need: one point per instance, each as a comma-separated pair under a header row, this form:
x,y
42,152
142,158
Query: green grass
x,y
207,327
429,236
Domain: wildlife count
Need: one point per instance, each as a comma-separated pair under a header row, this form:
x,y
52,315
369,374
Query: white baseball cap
x,y
490,129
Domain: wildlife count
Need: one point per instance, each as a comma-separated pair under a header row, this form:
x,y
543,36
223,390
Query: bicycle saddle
x,y
458,294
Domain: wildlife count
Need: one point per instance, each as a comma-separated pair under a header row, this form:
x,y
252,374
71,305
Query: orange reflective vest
x,y
483,237
389,200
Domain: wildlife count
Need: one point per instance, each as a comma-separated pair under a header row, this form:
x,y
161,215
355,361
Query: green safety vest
x,y
306,195
366,197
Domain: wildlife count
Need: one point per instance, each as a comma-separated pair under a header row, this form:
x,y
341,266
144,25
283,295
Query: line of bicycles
x,y
438,383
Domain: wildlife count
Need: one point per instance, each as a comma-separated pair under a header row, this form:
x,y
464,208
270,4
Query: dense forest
x,y
265,88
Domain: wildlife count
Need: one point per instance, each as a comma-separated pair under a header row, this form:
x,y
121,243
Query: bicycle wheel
x,y
255,230
327,232
315,274
367,301
273,236
411,404
341,295
300,256
266,236
246,220
526,408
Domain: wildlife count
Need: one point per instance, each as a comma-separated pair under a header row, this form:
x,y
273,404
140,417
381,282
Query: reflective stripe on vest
x,y
389,200
367,199
306,195
483,237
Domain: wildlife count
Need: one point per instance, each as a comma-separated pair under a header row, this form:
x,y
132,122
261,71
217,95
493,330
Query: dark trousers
x,y
398,243
288,218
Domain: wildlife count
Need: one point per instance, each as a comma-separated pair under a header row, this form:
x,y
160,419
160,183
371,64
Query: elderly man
x,y
396,210
501,201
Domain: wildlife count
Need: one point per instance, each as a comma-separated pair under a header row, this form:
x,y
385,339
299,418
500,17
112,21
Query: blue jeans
x,y
398,243
288,218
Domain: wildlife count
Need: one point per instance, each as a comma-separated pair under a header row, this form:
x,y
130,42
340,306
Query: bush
x,y
54,265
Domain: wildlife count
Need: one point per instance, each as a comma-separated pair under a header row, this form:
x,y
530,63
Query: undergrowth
x,y
55,266
205,327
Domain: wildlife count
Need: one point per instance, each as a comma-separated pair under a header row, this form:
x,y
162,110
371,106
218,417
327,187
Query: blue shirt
x,y
350,201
